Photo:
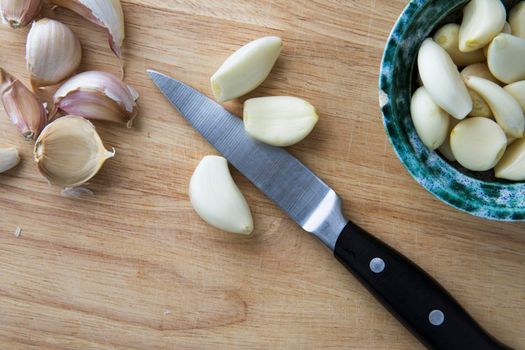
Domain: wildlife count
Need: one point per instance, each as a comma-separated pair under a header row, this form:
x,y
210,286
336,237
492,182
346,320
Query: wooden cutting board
x,y
133,267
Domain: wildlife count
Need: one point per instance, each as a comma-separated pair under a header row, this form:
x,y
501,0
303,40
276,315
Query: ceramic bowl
x,y
479,194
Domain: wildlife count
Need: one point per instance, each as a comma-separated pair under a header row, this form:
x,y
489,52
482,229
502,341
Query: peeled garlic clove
x,y
482,21
517,20
19,13
217,199
431,122
246,68
505,108
69,152
480,108
442,80
22,106
506,29
279,120
505,58
517,90
8,158
479,70
448,38
107,14
478,143
53,52
512,165
97,95
445,149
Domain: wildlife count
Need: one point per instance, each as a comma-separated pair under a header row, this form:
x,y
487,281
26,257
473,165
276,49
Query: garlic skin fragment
x,y
19,13
445,149
479,70
9,158
217,199
69,152
22,106
517,90
431,122
107,14
517,19
478,143
448,38
482,21
505,58
512,165
246,68
279,120
53,52
97,95
441,78
505,108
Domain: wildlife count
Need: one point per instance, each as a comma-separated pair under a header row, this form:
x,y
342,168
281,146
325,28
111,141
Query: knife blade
x,y
412,295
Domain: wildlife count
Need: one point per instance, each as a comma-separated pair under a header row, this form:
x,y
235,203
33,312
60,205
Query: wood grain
x,y
133,267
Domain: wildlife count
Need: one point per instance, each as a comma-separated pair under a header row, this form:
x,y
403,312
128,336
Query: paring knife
x,y
413,296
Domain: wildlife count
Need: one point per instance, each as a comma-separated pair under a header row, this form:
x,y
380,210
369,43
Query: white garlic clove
x,y
478,143
506,29
8,158
246,68
279,120
517,90
517,20
505,58
448,38
19,13
512,165
217,199
479,70
97,95
445,149
69,152
480,108
22,106
482,21
441,78
505,108
53,52
431,122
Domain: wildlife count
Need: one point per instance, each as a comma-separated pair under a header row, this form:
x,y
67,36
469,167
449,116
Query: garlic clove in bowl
x,y
505,58
517,90
448,38
517,19
512,165
482,21
479,70
19,13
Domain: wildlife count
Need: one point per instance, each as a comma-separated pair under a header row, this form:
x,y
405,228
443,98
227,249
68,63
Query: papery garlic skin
x,y
246,68
482,21
479,70
217,199
505,108
517,90
512,165
431,122
505,58
19,13
53,52
69,152
9,158
22,106
279,120
448,38
97,95
517,19
442,80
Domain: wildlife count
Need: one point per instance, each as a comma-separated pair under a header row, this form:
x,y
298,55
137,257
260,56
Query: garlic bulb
x,y
246,68
517,19
479,70
279,120
8,158
512,165
482,21
441,78
431,122
217,199
53,52
107,14
517,90
69,152
22,106
478,143
19,13
445,149
505,108
448,38
98,96
505,58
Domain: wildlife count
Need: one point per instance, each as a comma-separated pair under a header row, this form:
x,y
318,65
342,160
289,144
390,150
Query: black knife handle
x,y
412,295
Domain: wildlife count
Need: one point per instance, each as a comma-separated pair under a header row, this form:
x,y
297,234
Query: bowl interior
x,y
480,194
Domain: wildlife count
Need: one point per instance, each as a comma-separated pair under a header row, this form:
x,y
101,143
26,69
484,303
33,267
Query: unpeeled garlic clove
x,y
22,106
441,78
445,149
480,108
246,68
217,199
448,38
479,70
8,158
478,143
505,58
19,13
517,19
69,152
431,122
279,120
482,21
517,90
505,108
97,95
512,165
53,52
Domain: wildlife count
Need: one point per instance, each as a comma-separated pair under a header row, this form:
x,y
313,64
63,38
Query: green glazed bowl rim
x,y
493,200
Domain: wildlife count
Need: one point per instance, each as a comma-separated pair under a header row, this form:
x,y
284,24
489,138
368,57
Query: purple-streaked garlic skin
x,y
19,13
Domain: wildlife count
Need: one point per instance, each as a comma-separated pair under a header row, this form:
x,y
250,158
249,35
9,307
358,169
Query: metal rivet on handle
x,y
377,265
436,317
